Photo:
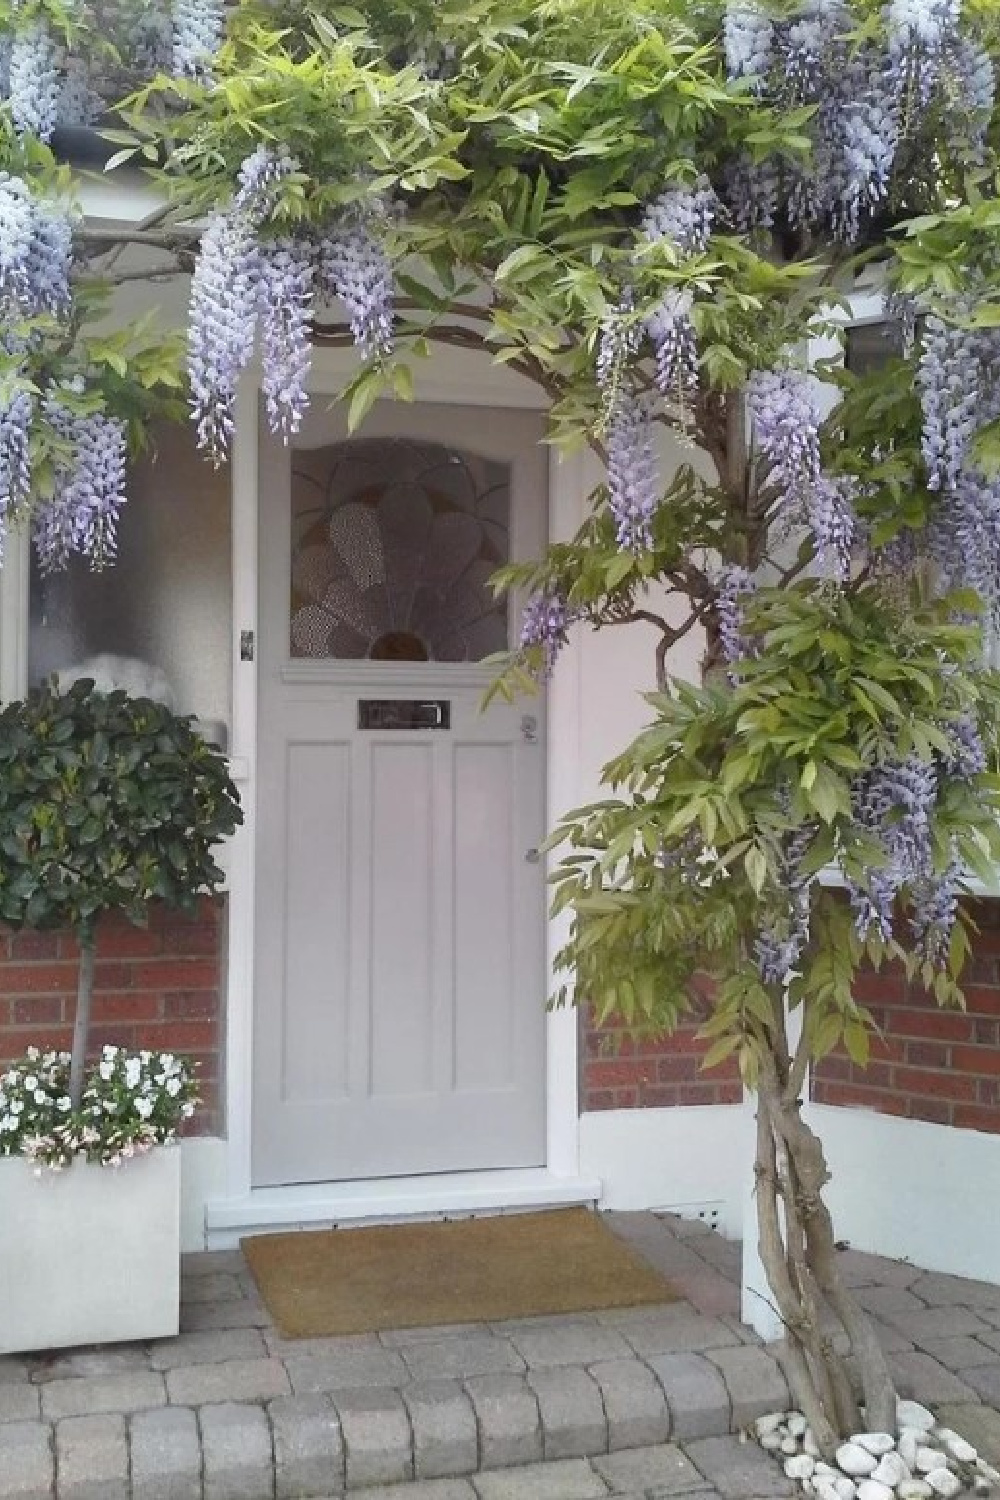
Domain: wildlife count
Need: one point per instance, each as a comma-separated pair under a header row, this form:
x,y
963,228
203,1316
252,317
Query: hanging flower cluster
x,y
545,622
245,282
82,515
36,245
870,99
634,486
197,34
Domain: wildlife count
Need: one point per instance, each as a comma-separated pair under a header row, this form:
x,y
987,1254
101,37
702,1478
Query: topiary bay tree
x,y
107,803
654,211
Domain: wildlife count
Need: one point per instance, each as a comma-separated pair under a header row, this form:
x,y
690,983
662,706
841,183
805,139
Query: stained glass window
x,y
393,545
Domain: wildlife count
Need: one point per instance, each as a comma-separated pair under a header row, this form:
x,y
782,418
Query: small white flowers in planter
x,y
131,1103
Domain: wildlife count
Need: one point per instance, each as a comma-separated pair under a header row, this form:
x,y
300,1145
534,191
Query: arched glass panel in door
x,y
393,545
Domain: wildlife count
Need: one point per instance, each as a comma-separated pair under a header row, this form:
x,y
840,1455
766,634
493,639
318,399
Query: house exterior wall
x,y
160,986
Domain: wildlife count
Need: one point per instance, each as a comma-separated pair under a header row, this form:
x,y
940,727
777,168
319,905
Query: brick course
x,y
159,986
622,1069
942,1066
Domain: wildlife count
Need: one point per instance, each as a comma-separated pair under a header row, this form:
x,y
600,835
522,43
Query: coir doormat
x,y
319,1283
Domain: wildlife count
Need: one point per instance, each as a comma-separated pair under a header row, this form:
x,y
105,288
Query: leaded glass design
x,y
393,546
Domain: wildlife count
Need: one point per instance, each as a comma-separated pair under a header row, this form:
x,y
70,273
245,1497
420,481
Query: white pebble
x,y
943,1482
909,1442
875,1442
914,1489
960,1450
789,1445
800,1467
825,1489
855,1460
912,1414
771,1440
988,1471
770,1423
891,1470
796,1424
928,1459
846,1488
870,1489
826,1470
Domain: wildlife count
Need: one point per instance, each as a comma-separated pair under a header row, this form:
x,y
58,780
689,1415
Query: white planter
x,y
89,1255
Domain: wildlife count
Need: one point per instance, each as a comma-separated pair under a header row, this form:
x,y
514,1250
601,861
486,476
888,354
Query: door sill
x,y
379,1200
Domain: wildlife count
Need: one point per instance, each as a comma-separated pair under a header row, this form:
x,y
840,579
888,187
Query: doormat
x,y
318,1283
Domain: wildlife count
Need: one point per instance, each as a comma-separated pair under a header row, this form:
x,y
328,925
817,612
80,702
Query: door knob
x,y
533,856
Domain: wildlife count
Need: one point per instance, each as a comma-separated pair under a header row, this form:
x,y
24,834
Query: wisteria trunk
x,y
825,1327
81,1024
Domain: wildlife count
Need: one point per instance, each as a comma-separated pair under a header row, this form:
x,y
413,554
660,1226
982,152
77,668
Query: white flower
x,y
31,1082
16,1106
110,1052
9,1122
187,1110
173,1087
106,1071
65,1104
133,1072
143,1107
40,1096
32,1054
166,1059
145,1056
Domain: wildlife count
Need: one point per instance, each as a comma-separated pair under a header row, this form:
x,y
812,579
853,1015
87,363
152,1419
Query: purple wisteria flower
x,y
15,457
257,178
545,623
222,324
619,341
198,29
894,803
781,943
353,266
786,424
748,36
36,246
831,517
683,216
918,32
675,346
951,380
33,80
82,515
285,307
734,585
635,487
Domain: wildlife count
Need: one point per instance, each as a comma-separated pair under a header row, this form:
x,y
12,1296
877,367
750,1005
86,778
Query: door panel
x,y
399,1014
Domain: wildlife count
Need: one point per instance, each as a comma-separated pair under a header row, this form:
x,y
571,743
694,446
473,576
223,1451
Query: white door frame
x,y
462,378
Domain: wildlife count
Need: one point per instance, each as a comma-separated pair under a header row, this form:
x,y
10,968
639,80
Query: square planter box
x,y
89,1255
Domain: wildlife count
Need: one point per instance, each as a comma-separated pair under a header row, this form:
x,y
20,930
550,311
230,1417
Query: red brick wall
x,y
942,1066
159,986
622,1070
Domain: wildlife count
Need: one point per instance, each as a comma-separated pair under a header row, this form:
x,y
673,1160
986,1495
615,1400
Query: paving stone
x,y
922,1378
676,1328
889,1302
92,1458
979,1425
249,1313
937,1323
348,1371
12,1369
344,1343
236,1451
118,1360
754,1380
233,1380
684,1229
565,1479
991,1340
166,1454
19,1403
213,1263
401,1338
510,1431
982,1380
216,1287
28,1468
308,1447
89,1396
742,1331
940,1290
739,1470
663,1468
709,1291
459,1357
208,1348
892,1340
960,1353
378,1444
696,1395
575,1344
860,1269
634,1404
423,1489
571,1411
445,1437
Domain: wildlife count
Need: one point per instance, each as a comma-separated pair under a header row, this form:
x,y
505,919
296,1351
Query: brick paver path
x,y
631,1402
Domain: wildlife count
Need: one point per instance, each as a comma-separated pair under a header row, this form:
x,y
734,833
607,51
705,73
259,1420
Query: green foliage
x,y
106,803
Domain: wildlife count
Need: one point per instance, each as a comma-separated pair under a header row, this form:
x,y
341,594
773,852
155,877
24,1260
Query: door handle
x,y
532,856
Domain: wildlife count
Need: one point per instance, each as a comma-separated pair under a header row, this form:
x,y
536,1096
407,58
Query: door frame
x,y
460,378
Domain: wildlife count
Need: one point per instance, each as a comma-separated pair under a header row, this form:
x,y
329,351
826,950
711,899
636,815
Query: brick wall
x,y
622,1070
941,1066
159,986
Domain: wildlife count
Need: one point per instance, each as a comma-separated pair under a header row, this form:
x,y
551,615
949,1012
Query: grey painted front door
x,y
400,984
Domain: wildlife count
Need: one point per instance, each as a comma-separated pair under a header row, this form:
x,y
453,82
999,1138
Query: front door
x,y
400,984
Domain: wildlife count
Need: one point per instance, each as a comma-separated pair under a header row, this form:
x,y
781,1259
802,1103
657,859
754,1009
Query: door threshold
x,y
380,1200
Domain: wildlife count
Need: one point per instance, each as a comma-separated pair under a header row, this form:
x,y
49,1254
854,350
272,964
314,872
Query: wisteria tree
x,y
649,209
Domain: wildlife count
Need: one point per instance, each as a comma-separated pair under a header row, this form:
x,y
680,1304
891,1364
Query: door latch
x,y
246,645
529,729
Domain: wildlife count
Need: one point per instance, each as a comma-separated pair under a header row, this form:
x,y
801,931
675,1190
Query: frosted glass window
x,y
160,618
393,546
